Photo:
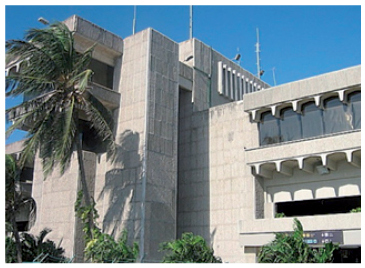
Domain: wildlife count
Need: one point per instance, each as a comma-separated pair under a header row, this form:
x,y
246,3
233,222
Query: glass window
x,y
336,117
355,107
312,123
269,129
290,126
103,73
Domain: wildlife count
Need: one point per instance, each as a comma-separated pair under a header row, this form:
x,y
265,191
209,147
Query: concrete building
x,y
206,147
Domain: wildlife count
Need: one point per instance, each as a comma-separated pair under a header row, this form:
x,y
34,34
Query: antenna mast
x,y
134,20
191,23
273,75
258,53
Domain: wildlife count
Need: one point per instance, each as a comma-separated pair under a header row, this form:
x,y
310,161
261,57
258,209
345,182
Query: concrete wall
x,y
55,197
204,61
193,179
138,192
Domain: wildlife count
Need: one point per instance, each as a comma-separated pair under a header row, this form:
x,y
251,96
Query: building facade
x,y
206,147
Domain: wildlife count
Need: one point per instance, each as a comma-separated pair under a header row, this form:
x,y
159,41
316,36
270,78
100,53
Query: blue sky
x,y
298,41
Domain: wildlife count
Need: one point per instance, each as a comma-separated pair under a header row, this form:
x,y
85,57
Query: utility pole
x,y
258,53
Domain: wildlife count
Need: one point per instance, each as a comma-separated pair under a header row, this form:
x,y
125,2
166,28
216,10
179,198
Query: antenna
x,y
191,23
258,53
273,75
134,20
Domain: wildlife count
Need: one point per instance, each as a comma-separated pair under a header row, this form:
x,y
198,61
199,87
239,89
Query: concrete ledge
x,y
317,85
344,221
294,149
95,33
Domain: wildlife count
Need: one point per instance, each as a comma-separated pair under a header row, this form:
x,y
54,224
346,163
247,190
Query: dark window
x,y
22,226
319,206
290,126
312,122
355,107
336,118
269,129
103,73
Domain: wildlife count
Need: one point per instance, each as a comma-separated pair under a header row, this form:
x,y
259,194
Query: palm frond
x,y
102,121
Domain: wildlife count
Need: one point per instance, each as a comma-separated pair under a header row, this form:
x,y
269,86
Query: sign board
x,y
317,238
322,237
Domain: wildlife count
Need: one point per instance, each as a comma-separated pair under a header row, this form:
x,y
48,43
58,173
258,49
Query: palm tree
x,y
15,201
56,78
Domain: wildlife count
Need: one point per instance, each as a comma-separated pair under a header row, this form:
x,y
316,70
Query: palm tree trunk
x,y
85,191
17,238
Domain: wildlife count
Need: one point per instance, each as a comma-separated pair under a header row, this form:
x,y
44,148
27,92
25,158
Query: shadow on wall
x,y
119,192
193,171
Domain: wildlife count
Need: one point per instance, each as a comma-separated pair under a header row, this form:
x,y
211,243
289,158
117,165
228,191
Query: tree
x,y
35,246
15,201
102,247
291,248
56,77
189,249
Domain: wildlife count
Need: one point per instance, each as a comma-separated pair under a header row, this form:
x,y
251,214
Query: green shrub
x,y
291,248
189,249
355,210
34,246
103,248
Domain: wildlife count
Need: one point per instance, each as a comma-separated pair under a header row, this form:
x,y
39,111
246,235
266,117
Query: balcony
x,y
306,154
261,231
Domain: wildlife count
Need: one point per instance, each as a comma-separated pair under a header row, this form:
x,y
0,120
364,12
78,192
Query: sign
x,y
322,237
316,238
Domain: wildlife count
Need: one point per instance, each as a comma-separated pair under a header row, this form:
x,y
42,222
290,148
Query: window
x,y
290,126
319,206
269,129
312,122
103,73
355,107
336,118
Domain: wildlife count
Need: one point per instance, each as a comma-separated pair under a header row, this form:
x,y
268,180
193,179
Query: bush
x,y
33,247
291,248
103,248
356,210
189,249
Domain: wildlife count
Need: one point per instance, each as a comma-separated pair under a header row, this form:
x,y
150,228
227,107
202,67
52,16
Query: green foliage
x,y
101,247
16,201
292,249
189,249
280,215
33,246
83,212
55,79
355,210
10,250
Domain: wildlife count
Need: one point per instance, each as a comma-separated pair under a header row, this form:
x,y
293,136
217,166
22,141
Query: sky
x,y
296,42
